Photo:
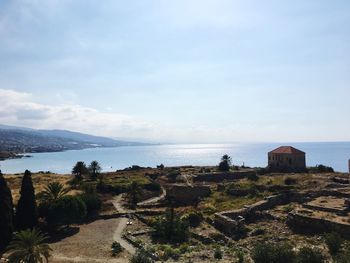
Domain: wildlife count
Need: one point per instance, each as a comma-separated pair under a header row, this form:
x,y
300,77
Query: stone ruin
x,y
316,212
187,194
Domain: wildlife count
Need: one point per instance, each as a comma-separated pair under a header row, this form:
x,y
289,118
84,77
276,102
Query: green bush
x,y
173,174
309,255
194,219
258,232
170,252
262,171
343,257
253,177
141,256
92,202
184,247
273,253
240,256
333,241
320,169
116,248
218,253
290,181
153,186
65,211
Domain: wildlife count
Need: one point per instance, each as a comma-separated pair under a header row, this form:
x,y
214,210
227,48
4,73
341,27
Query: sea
x,y
334,154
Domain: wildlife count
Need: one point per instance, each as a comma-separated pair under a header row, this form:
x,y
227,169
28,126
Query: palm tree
x,y
53,192
225,163
94,169
226,158
29,246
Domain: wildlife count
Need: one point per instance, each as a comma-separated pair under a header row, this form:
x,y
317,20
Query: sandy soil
x,y
91,244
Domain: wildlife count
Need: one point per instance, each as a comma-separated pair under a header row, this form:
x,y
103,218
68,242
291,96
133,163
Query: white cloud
x,y
18,108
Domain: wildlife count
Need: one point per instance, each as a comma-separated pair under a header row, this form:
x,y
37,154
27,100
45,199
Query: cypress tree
x,y
6,214
26,213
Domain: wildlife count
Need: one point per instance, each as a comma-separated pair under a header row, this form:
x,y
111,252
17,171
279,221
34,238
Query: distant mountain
x,y
19,140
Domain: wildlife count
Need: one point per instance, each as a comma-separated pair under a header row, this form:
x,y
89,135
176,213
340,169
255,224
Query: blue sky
x,y
178,71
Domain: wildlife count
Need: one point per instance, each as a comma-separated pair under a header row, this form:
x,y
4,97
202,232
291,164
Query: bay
x,y
334,154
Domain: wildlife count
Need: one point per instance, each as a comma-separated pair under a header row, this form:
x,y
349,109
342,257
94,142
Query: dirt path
x,y
154,199
122,224
118,234
91,244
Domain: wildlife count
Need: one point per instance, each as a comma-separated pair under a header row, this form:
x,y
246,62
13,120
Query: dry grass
x,y
39,182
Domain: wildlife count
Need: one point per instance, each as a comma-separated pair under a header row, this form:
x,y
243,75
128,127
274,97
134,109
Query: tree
x,y
309,255
94,169
134,193
65,211
226,158
79,170
92,202
53,191
6,212
171,228
29,246
225,163
26,212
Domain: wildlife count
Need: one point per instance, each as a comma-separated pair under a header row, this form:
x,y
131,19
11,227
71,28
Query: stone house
x,y
286,159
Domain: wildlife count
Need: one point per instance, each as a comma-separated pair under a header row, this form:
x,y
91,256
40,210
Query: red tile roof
x,y
287,150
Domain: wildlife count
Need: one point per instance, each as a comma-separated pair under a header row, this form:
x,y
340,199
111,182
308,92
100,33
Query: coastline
x,y
10,155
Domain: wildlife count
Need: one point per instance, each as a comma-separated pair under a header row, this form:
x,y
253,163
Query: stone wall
x,y
187,194
225,224
308,224
219,177
228,221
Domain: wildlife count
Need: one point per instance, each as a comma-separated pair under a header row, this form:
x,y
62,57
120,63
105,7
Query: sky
x,y
200,71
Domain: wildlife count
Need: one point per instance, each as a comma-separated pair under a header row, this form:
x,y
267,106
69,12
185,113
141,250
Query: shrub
x,y
240,256
309,255
290,181
258,232
116,248
321,169
343,257
65,211
173,174
194,219
218,253
262,171
153,186
224,166
169,252
273,253
92,202
252,177
141,256
184,248
333,241
288,208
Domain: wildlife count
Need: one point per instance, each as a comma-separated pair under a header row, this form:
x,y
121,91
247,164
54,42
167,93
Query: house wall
x,y
292,162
